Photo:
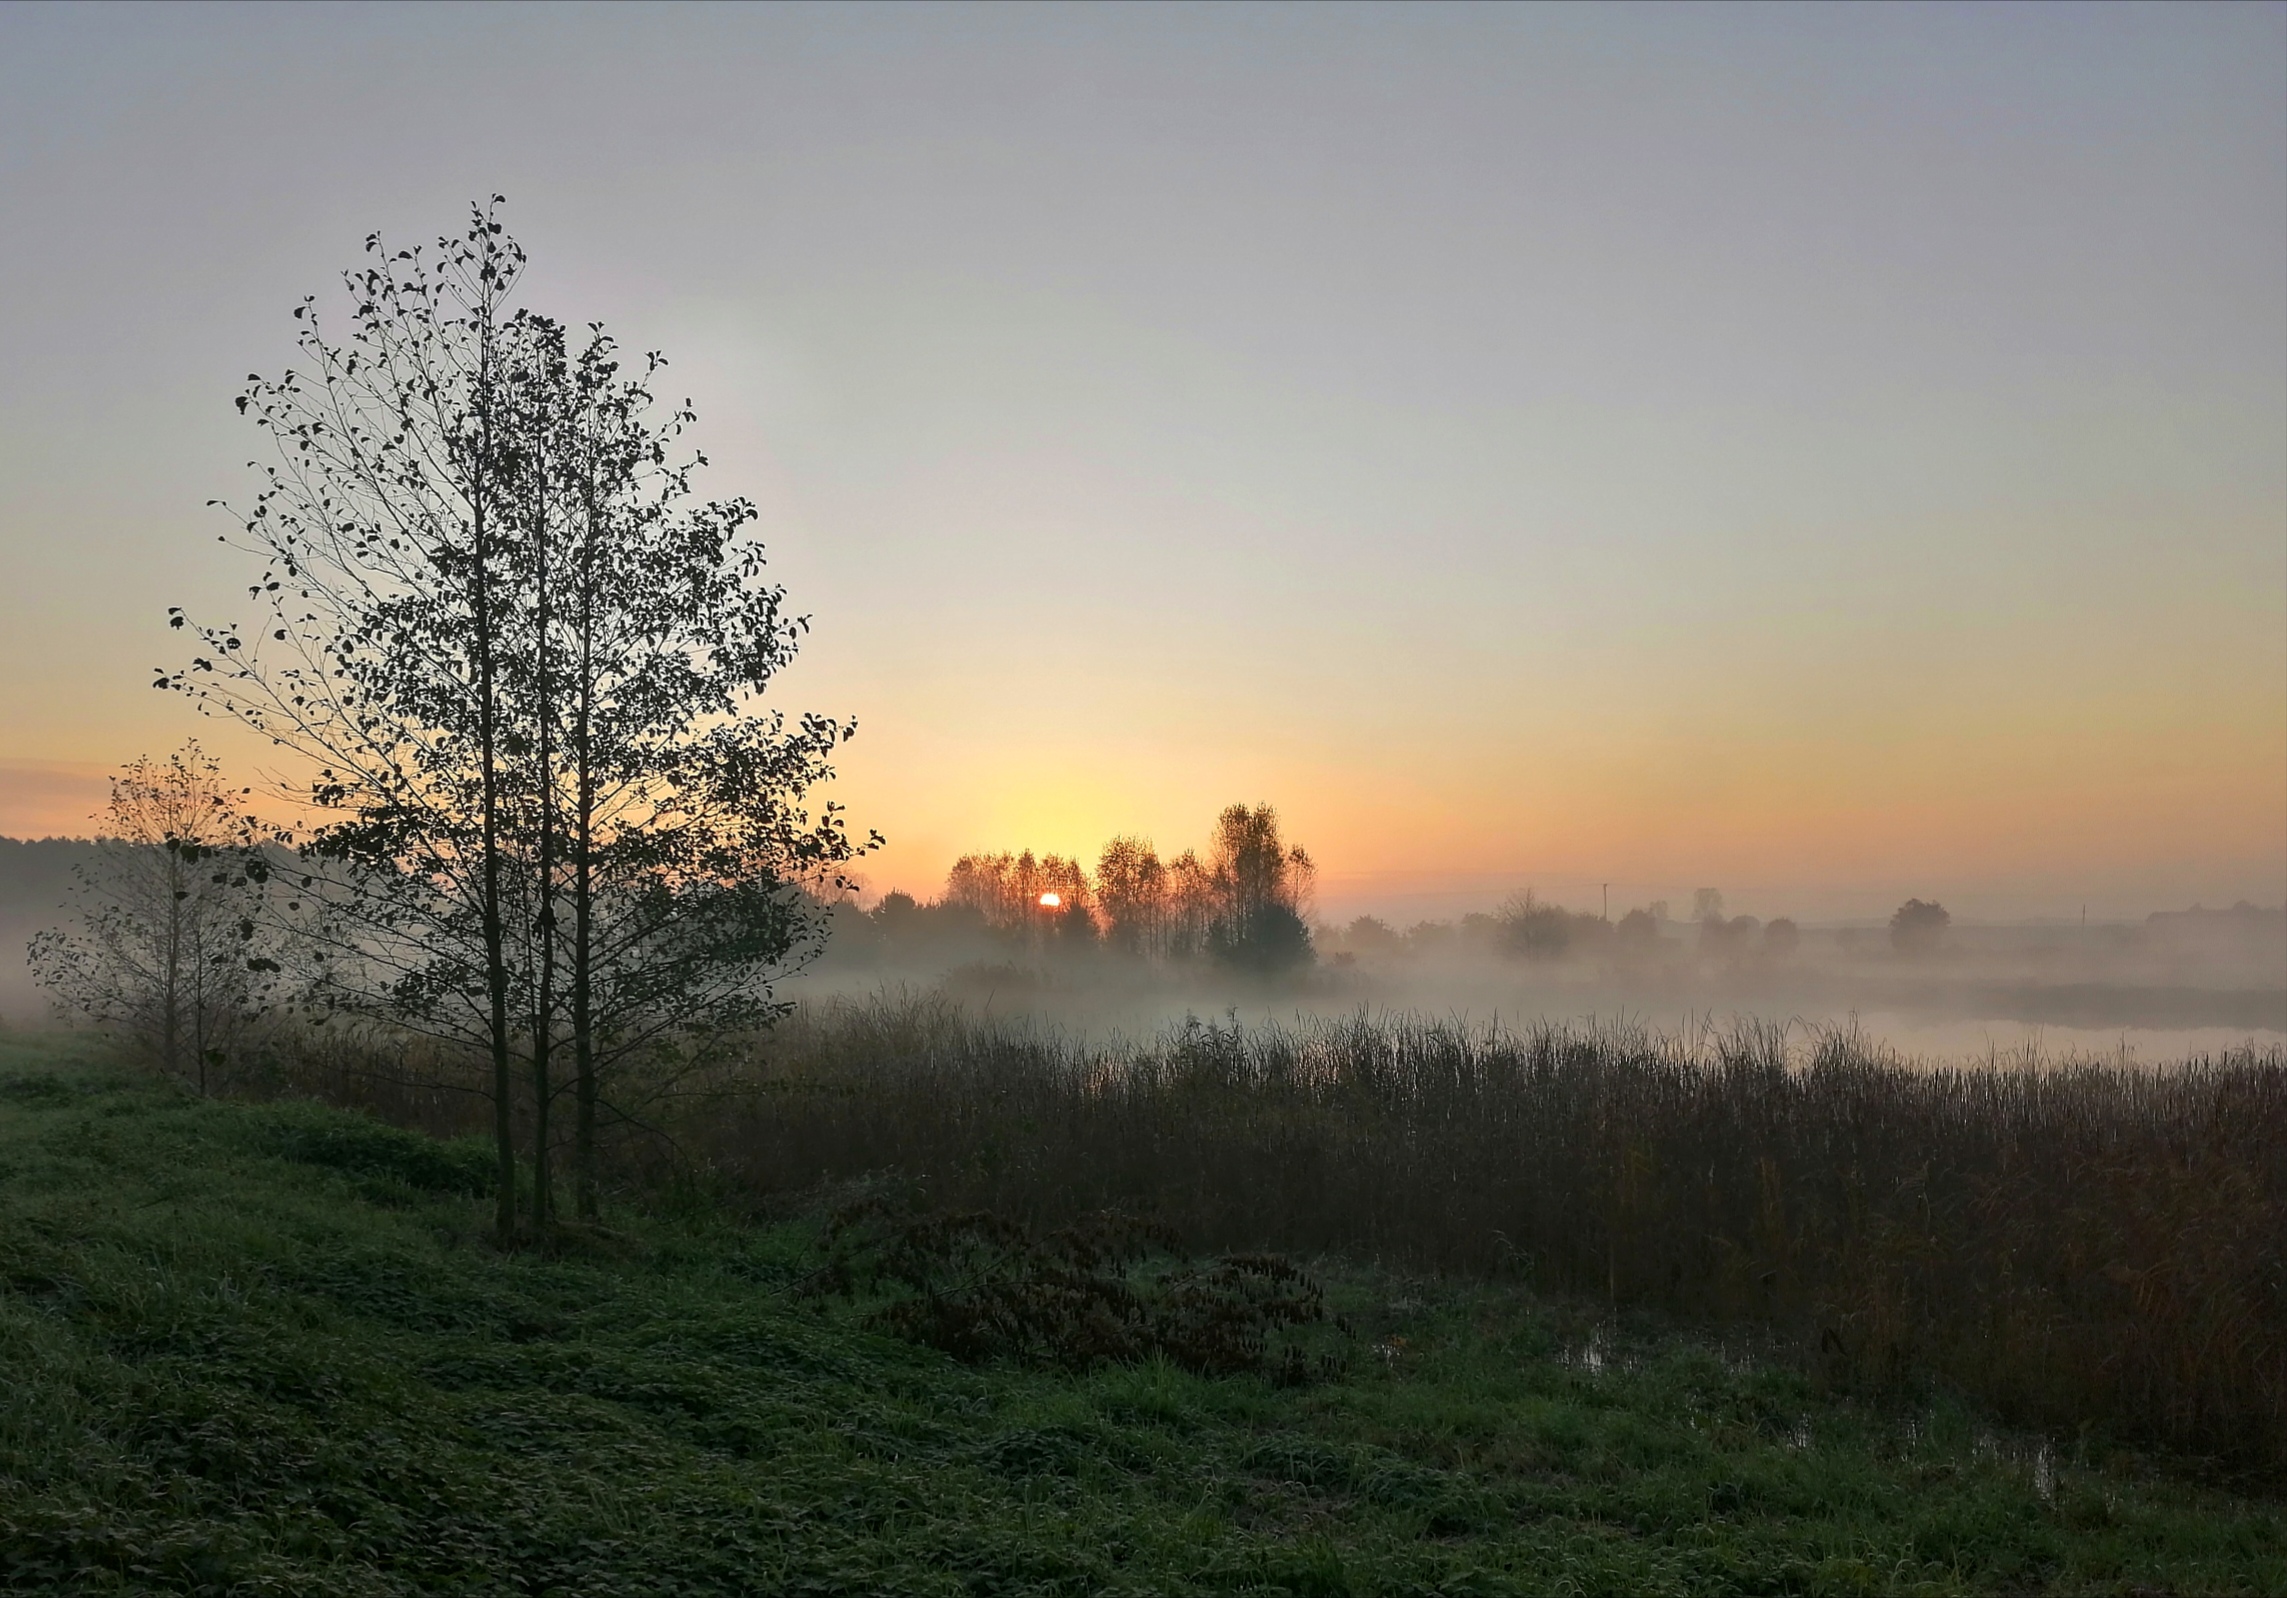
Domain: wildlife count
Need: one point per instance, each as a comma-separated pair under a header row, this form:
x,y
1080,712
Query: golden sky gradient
x,y
1827,455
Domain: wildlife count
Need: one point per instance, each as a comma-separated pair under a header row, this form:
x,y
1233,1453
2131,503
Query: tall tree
x,y
670,795
385,527
527,677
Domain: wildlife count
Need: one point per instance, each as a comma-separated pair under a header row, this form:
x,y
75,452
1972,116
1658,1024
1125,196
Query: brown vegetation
x,y
2079,1246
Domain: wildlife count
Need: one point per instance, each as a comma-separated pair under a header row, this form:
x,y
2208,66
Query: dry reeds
x,y
2080,1246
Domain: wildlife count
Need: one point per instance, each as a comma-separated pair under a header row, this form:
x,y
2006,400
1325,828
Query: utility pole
x,y
1607,901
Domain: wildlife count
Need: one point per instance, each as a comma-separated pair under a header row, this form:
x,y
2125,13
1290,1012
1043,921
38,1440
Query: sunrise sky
x,y
1824,453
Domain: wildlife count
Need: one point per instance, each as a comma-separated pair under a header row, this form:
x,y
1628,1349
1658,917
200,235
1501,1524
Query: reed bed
x,y
2087,1247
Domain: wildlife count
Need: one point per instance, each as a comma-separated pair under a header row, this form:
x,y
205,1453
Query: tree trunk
x,y
488,757
583,873
544,1006
171,1004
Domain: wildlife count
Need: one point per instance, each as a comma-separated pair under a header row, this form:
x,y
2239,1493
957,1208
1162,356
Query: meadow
x,y
268,1347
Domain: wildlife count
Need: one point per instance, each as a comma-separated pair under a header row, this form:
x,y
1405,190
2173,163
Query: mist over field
x,y
1143,800
2173,984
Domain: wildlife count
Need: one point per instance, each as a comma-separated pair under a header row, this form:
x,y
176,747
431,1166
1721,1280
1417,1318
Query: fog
x,y
2174,984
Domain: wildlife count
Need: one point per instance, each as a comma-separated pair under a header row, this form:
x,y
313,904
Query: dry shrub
x,y
2079,1245
982,1287
406,1081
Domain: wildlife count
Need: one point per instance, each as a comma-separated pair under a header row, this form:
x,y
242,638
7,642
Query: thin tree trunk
x,y
488,909
544,1018
199,1000
583,874
171,1015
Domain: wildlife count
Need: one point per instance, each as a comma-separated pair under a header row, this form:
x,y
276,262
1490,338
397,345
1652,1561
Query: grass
x,y
263,1348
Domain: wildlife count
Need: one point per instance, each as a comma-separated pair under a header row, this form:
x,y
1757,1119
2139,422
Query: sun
x,y
1049,901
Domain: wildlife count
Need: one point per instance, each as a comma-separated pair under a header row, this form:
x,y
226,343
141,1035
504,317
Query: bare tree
x,y
169,943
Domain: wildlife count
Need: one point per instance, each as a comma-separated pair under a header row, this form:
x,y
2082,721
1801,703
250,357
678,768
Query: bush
x,y
983,1287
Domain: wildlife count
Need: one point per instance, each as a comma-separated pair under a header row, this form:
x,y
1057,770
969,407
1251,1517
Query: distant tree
x,y
170,942
1781,937
1370,935
1918,926
905,931
1735,936
1011,893
1243,906
1132,893
1637,932
1262,887
1194,903
1530,928
1707,905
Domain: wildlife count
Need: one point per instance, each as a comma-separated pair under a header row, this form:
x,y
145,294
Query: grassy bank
x,y
264,1348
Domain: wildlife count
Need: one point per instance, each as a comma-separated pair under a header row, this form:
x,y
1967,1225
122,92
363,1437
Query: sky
x,y
1825,453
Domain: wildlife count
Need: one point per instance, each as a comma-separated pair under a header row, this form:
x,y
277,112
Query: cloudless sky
x,y
1822,452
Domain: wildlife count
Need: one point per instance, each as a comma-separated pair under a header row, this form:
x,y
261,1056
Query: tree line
x,y
1244,903
1528,927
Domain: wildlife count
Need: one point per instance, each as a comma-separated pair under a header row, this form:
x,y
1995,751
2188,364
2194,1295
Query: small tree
x,y
1721,938
1373,937
170,941
1918,926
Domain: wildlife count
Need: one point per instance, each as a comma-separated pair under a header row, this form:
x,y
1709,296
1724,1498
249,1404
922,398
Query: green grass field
x,y
266,1349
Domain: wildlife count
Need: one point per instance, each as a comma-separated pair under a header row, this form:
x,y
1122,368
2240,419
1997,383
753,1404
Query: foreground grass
x,y
265,1349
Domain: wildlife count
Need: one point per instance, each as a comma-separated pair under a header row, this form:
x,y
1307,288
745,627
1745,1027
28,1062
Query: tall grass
x,y
2079,1246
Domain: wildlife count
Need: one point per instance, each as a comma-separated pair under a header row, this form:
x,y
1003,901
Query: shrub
x,y
981,1287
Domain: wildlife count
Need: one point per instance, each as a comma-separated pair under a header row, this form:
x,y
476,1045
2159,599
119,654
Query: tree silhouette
x,y
1131,890
1262,887
1918,926
170,941
527,674
1533,929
